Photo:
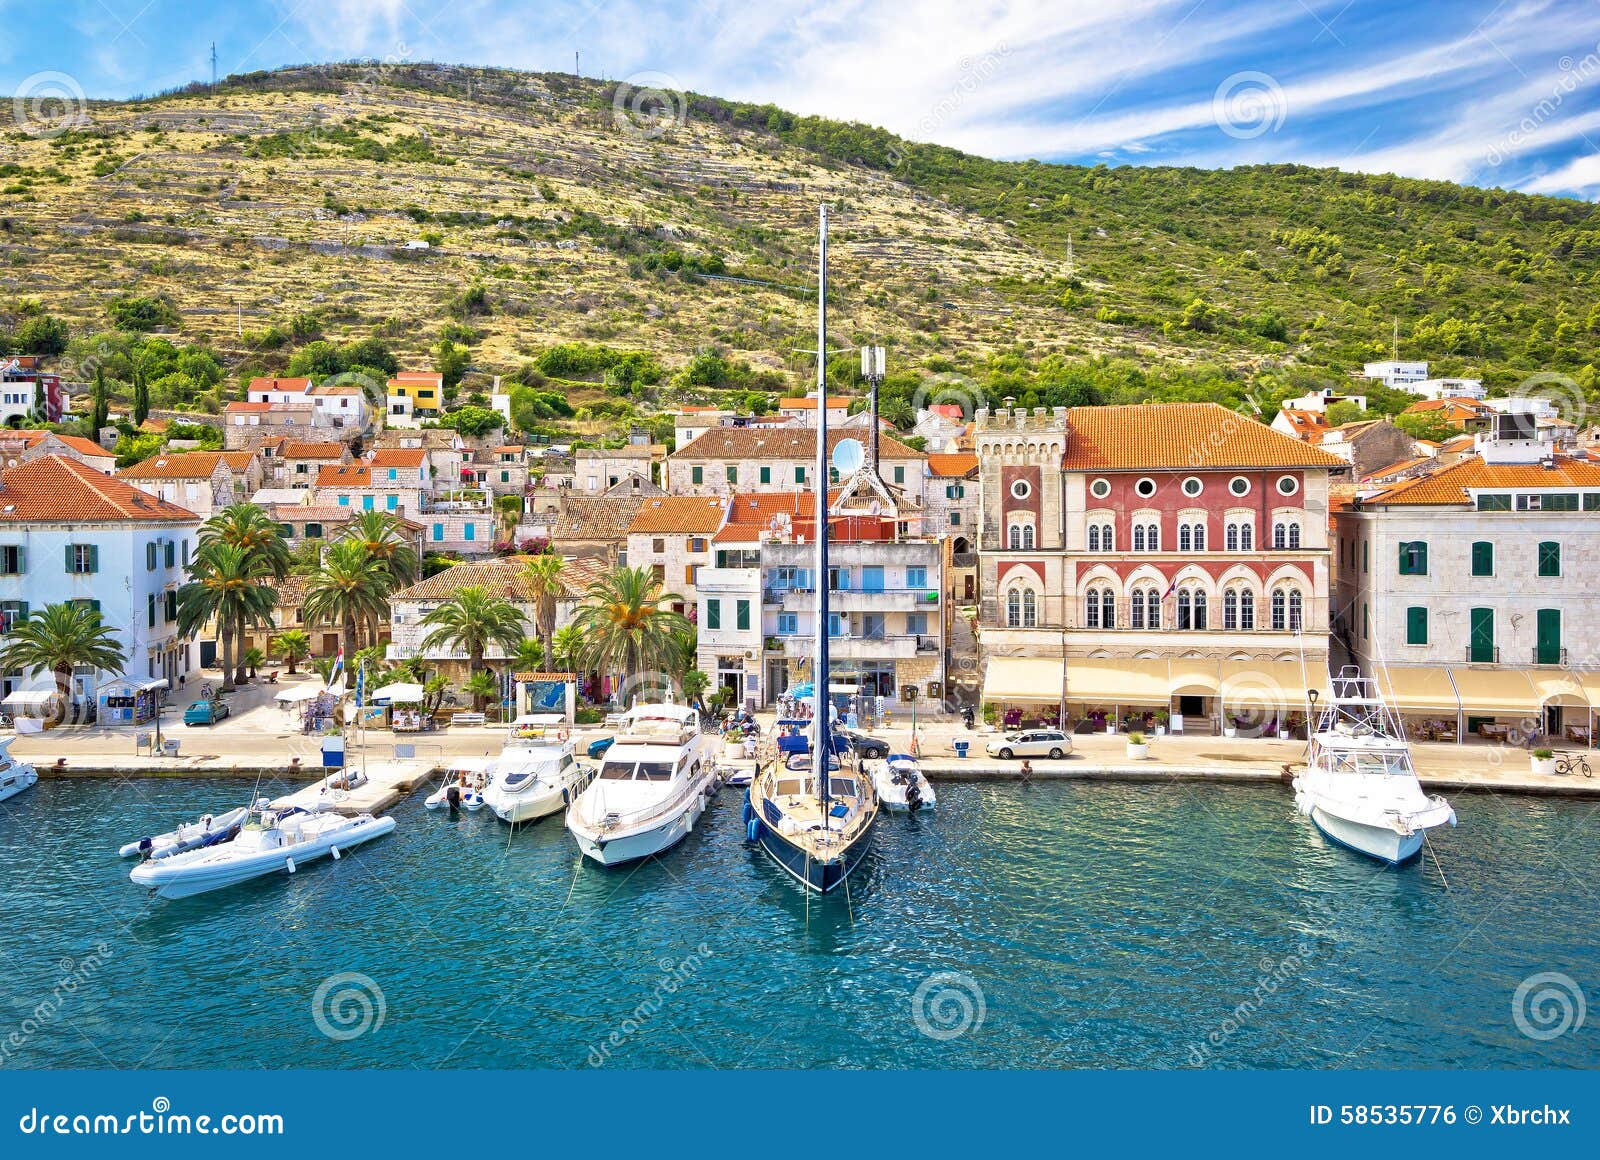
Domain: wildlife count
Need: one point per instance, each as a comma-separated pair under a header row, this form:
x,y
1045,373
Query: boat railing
x,y
688,788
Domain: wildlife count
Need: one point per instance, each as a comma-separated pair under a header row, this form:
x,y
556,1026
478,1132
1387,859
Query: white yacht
x,y
273,840
1358,785
15,776
653,785
532,780
901,785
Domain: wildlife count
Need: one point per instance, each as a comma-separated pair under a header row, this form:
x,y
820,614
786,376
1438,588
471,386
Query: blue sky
x,y
1489,93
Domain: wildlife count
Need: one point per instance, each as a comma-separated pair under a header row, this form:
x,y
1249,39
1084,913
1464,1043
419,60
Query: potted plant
x,y
1543,761
991,713
1138,748
1161,722
1230,727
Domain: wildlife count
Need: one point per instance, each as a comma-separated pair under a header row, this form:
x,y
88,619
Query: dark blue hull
x,y
810,873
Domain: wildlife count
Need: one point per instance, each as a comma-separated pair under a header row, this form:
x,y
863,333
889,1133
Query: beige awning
x,y
1022,680
1279,684
1194,676
1557,687
1497,691
1410,689
1108,681
1591,686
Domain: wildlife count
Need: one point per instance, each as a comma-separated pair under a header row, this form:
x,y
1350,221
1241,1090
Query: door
x,y
1547,651
971,589
1482,647
872,578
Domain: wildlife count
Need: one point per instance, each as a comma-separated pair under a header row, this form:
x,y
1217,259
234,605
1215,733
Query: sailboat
x,y
813,812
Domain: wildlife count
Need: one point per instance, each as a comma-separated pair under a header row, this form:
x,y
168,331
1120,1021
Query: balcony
x,y
863,600
887,647
1543,656
1482,656
738,580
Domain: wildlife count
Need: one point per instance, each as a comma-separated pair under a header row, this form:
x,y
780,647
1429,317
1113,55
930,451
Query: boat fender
x,y
334,850
566,800
288,864
752,829
749,812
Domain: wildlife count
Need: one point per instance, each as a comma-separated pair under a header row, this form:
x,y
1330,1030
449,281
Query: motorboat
x,y
15,776
817,829
272,840
529,780
464,782
654,783
207,830
901,785
737,775
1359,787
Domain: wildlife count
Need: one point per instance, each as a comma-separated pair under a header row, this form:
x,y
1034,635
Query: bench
x,y
467,719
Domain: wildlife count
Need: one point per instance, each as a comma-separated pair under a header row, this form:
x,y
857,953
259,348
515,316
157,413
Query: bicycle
x,y
1573,763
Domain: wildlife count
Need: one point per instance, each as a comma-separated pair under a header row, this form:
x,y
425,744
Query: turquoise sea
x,y
1040,926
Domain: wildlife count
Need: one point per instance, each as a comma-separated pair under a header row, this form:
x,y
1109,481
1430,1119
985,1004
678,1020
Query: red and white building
x,y
1154,560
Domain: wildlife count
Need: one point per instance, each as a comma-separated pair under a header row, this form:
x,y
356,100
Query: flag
x,y
338,668
361,684
1164,595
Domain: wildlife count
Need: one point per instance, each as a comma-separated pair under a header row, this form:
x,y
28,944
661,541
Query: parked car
x,y
863,746
1031,743
205,713
597,749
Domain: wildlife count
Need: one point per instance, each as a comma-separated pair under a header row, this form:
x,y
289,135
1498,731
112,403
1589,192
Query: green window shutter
x,y
1416,626
71,560
150,609
800,475
733,474
172,553
713,614
1482,558
697,475
150,557
172,606
1364,545
94,561
22,560
1549,558
766,475
742,615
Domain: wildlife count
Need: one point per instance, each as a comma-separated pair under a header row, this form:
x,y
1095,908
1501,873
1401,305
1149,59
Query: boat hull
x,y
17,779
526,808
636,845
175,878
822,877
1383,843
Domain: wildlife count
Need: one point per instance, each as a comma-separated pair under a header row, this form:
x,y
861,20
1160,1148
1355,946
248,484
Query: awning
x,y
1194,676
1591,686
134,685
22,699
1277,684
1410,689
1117,682
296,695
402,693
1024,680
1556,687
1497,691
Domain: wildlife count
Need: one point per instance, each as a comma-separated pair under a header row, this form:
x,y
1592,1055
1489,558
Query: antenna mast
x,y
213,65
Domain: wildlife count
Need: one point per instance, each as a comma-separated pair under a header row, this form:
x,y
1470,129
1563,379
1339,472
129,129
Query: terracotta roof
x,y
55,489
1449,485
1308,425
397,457
432,437
297,386
509,449
679,513
237,407
752,514
835,403
298,449
778,443
335,389
595,517
238,460
78,443
1180,436
344,475
956,466
417,378
505,577
951,411
175,465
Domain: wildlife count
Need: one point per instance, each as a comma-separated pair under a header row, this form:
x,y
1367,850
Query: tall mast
x,y
822,754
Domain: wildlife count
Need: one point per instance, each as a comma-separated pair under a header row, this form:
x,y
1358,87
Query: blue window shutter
x,y
393,502
438,531
472,531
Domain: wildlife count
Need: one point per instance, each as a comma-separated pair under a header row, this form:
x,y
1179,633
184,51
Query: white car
x,y
1031,743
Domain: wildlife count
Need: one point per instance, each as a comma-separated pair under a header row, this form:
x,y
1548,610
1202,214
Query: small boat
x,y
462,787
344,780
653,785
208,830
1359,787
817,829
737,775
901,785
15,776
273,840
532,781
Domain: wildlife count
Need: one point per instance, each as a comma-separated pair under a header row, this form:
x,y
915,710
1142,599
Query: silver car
x,y
1031,743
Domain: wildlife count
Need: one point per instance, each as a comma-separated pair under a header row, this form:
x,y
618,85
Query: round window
x,y
1100,488
1192,486
1239,485
1020,489
1288,485
1145,488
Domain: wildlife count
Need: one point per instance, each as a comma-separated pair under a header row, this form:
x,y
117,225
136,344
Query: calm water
x,y
1103,926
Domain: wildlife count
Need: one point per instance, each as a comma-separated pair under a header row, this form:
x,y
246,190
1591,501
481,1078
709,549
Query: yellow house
x,y
414,395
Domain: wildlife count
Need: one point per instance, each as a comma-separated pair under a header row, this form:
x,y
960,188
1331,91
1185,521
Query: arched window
x,y
1199,537
1279,606
1280,537
1185,538
1027,536
1100,608
1231,538
1294,536
1153,537
1016,537
1106,543
1247,535
1014,609
1094,537
1191,608
1294,610
1030,611
1199,609
1145,609
1230,610
1247,610
1184,610
1138,537
1091,608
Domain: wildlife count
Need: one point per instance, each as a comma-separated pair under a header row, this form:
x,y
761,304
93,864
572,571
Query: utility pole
x,y
1394,348
213,66
576,71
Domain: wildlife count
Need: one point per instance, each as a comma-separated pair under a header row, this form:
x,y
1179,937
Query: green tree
x,y
566,649
60,638
292,645
248,526
141,399
626,625
471,620
1423,425
695,684
530,656
42,335
228,584
349,590
451,361
384,538
547,585
101,411
1344,411
481,687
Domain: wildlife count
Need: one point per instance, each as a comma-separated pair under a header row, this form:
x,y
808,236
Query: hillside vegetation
x,y
676,237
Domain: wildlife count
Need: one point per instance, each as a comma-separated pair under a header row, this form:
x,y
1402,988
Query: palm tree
x,y
60,637
252,660
350,589
248,526
482,686
546,584
227,582
695,684
380,533
530,656
567,645
293,645
472,620
627,625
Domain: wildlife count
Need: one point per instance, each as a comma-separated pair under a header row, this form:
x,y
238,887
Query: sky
x,y
1498,94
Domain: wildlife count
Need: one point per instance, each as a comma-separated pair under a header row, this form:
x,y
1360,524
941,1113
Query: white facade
x,y
1396,374
729,626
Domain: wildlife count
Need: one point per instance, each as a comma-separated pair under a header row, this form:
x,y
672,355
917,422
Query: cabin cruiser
x,y
207,830
1358,786
532,780
901,785
273,840
15,776
653,785
818,829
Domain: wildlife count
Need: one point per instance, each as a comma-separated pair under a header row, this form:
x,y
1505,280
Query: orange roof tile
x,y
835,403
298,449
78,443
241,408
1180,436
175,465
953,466
417,378
296,386
778,443
398,457
1449,485
54,488
686,514
344,475
335,389
751,514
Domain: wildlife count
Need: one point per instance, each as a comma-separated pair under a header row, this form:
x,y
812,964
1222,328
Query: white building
x,y
1395,373
203,482
671,535
70,533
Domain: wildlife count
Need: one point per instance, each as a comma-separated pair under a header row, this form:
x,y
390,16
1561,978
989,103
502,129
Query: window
x,y
394,474
11,612
916,577
83,559
344,501
1191,608
1147,537
917,622
1100,608
1364,556
800,475
658,545
1191,537
150,609
1550,558
733,473
697,543
1030,612
366,503
697,475
1416,625
505,477
150,556
438,532
899,474
713,614
172,605
172,554
1145,488
1240,537
1413,557
1286,534
1193,486
1021,489
392,503
1494,503
13,560
1230,610
471,531
313,531
1238,485
1021,537
788,623
766,475
1100,488
690,572
1014,608
1288,485
741,614
1145,609
1482,561
955,519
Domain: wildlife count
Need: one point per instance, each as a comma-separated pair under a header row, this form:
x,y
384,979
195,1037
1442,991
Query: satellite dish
x,y
848,455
